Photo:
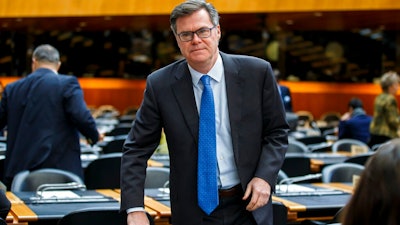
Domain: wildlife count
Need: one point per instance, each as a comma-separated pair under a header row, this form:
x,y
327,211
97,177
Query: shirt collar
x,y
215,73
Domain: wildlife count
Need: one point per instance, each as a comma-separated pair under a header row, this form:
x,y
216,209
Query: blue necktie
x,y
207,160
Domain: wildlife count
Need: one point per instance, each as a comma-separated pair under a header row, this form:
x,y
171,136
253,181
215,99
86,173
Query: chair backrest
x,y
156,177
114,145
309,140
295,166
279,213
104,172
120,129
281,176
341,172
31,180
297,146
305,115
346,145
331,118
98,216
360,159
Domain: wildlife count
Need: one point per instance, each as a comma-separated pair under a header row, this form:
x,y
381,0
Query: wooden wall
x,y
49,8
321,97
316,97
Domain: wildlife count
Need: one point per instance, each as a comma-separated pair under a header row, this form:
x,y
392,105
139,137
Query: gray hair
x,y
189,7
388,79
46,53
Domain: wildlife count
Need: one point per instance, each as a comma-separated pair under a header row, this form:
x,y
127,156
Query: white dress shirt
x,y
227,176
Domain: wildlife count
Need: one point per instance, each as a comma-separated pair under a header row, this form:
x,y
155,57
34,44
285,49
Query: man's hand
x,y
260,192
138,218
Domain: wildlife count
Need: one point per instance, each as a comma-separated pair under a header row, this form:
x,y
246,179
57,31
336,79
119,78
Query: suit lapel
x,y
183,91
234,90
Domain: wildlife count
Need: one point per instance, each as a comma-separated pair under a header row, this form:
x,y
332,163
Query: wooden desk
x,y
319,160
163,212
22,213
322,207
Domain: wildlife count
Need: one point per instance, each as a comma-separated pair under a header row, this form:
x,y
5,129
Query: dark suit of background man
x,y
285,93
44,113
250,123
355,123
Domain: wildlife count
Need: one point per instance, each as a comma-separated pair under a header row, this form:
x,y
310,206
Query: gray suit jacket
x,y
258,129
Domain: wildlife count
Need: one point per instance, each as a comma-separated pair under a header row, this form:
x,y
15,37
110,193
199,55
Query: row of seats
x,y
102,173
339,172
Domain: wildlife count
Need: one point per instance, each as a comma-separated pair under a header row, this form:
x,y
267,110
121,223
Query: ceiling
x,y
331,21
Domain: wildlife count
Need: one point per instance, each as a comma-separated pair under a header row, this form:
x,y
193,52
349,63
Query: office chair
x,y
279,213
304,117
360,159
331,118
310,140
281,176
98,216
341,172
156,177
295,166
104,172
119,129
114,145
296,147
31,180
346,145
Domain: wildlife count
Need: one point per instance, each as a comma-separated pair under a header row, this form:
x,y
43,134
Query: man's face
x,y
198,51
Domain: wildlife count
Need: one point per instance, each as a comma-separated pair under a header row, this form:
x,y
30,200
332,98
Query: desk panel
x,y
314,206
300,208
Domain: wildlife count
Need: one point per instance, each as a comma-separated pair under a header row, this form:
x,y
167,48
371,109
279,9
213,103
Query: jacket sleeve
x,y
77,111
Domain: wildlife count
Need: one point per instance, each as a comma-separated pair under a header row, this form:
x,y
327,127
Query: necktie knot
x,y
205,80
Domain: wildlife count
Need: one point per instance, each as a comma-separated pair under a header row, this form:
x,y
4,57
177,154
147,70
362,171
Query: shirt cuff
x,y
135,209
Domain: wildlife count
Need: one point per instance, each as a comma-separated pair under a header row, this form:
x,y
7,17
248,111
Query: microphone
x,y
291,180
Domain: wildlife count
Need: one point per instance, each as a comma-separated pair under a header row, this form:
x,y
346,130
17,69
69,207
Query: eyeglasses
x,y
201,33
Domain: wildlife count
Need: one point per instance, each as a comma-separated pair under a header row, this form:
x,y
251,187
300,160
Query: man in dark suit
x,y
44,113
251,130
355,123
285,93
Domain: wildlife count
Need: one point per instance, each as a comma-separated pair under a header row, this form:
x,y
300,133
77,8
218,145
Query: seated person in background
x,y
355,123
376,198
285,93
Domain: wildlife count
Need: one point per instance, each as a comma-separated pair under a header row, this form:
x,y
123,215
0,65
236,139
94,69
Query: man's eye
x,y
185,34
202,31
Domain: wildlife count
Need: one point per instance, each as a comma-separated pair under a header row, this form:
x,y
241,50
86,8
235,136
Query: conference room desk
x,y
319,160
311,207
316,206
25,212
301,207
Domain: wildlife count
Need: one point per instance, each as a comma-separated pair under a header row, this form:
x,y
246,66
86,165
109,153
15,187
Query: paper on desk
x,y
58,195
164,190
293,188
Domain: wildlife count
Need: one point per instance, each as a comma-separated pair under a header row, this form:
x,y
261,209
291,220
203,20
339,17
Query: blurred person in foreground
x,y
355,123
386,121
44,113
251,130
376,198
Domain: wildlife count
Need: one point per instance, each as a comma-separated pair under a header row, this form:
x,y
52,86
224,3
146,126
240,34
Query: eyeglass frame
x,y
209,29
